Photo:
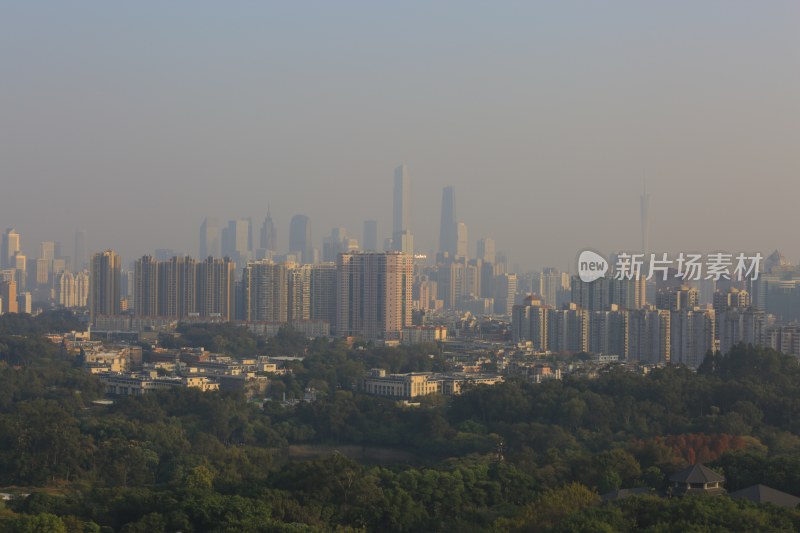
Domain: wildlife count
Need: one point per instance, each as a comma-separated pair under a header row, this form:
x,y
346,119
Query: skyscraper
x,y
448,230
373,294
370,236
210,245
8,295
402,239
237,240
486,250
79,254
10,248
269,234
462,240
644,203
104,287
300,238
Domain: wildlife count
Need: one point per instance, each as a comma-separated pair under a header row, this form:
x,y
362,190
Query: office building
x,y
448,229
210,243
269,234
402,238
300,242
10,248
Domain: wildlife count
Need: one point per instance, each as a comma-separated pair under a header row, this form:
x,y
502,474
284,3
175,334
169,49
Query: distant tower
x,y
79,257
462,240
300,238
269,234
10,248
448,230
209,238
645,219
486,250
370,235
402,239
237,240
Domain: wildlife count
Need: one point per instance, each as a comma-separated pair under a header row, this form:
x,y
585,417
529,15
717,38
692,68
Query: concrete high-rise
x,y
485,250
462,240
104,287
210,245
237,240
79,261
215,288
402,238
8,295
146,286
644,204
265,292
374,294
300,242
67,295
269,234
10,248
448,229
177,287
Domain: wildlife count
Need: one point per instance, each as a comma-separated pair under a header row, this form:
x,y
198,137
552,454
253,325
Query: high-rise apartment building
x,y
265,292
104,288
216,288
374,294
146,286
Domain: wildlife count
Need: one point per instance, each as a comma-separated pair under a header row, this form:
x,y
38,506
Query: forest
x,y
511,457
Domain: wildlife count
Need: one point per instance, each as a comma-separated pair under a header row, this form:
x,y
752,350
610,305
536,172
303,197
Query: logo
x,y
591,266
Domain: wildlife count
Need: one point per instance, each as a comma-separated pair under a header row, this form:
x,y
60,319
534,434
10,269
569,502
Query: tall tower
x,y
209,238
644,203
79,257
269,234
300,238
448,230
10,248
462,240
104,287
402,239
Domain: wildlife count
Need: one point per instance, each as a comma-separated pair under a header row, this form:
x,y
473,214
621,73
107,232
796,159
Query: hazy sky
x,y
135,120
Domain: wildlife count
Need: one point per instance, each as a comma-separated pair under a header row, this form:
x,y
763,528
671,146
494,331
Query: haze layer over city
x,y
136,122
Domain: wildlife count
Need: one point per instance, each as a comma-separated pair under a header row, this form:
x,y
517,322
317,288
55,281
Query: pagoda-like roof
x,y
697,473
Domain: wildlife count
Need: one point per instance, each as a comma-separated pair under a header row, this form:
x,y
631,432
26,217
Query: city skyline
x,y
537,116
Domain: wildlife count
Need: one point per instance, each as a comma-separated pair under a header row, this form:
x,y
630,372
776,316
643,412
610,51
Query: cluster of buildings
x,y
675,329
